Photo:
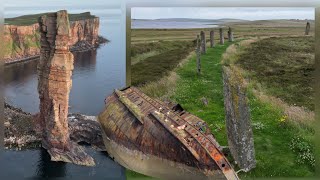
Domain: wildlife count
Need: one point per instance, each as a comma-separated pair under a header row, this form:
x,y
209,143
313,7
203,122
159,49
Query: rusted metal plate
x,y
164,130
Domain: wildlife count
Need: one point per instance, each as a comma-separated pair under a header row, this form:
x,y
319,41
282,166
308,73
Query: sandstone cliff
x,y
54,85
22,40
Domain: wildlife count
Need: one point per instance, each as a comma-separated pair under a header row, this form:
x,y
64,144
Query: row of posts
x,y
201,44
238,124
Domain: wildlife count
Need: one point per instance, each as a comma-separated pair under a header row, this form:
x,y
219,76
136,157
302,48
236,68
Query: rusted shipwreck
x,y
160,139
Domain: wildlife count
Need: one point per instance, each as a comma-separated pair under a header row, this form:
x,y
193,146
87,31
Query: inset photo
x,y
223,92
62,59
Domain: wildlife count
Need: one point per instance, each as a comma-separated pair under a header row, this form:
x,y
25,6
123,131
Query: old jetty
x,y
160,139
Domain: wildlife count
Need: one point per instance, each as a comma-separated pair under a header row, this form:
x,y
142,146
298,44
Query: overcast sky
x,y
13,7
218,13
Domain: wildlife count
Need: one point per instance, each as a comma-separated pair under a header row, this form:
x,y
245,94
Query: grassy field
x,y
282,149
279,73
241,30
157,59
284,67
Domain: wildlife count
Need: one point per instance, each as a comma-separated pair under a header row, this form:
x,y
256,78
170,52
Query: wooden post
x,y
203,42
230,35
211,38
307,28
198,55
221,36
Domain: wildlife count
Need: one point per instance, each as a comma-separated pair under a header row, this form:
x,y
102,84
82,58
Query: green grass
x,y
272,139
26,20
191,88
159,46
140,57
284,66
155,67
282,148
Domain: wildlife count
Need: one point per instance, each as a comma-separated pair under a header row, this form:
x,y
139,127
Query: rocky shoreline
x,y
20,130
80,46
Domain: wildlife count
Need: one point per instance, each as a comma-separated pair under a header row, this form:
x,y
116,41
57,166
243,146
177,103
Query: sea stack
x,y
54,85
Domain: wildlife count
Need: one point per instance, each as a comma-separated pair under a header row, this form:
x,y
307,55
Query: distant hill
x,y
225,20
26,20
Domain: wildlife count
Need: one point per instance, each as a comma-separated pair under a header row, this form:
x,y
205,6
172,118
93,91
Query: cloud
x,y
218,13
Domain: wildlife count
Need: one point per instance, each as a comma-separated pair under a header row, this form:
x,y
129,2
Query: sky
x,y
14,7
251,13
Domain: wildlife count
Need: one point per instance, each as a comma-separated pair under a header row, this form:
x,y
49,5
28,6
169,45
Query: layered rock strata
x,y
23,41
54,85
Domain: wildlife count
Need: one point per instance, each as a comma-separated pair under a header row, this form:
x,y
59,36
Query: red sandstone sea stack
x,y
54,75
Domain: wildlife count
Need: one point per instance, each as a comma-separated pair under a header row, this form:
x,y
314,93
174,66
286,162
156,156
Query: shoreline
x,y
22,132
80,46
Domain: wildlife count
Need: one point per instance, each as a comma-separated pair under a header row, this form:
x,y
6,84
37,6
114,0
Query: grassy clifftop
x,y
26,20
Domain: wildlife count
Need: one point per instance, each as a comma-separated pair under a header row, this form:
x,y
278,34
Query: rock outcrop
x,y
23,41
54,85
238,124
85,30
20,130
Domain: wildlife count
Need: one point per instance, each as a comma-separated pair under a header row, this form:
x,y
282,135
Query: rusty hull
x,y
160,139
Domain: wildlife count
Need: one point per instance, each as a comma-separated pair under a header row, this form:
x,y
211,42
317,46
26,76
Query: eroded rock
x,y
54,85
238,124
20,129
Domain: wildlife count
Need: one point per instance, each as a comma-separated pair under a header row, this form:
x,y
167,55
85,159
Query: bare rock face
x,y
86,30
307,28
203,42
54,85
239,131
23,41
230,35
221,36
211,38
